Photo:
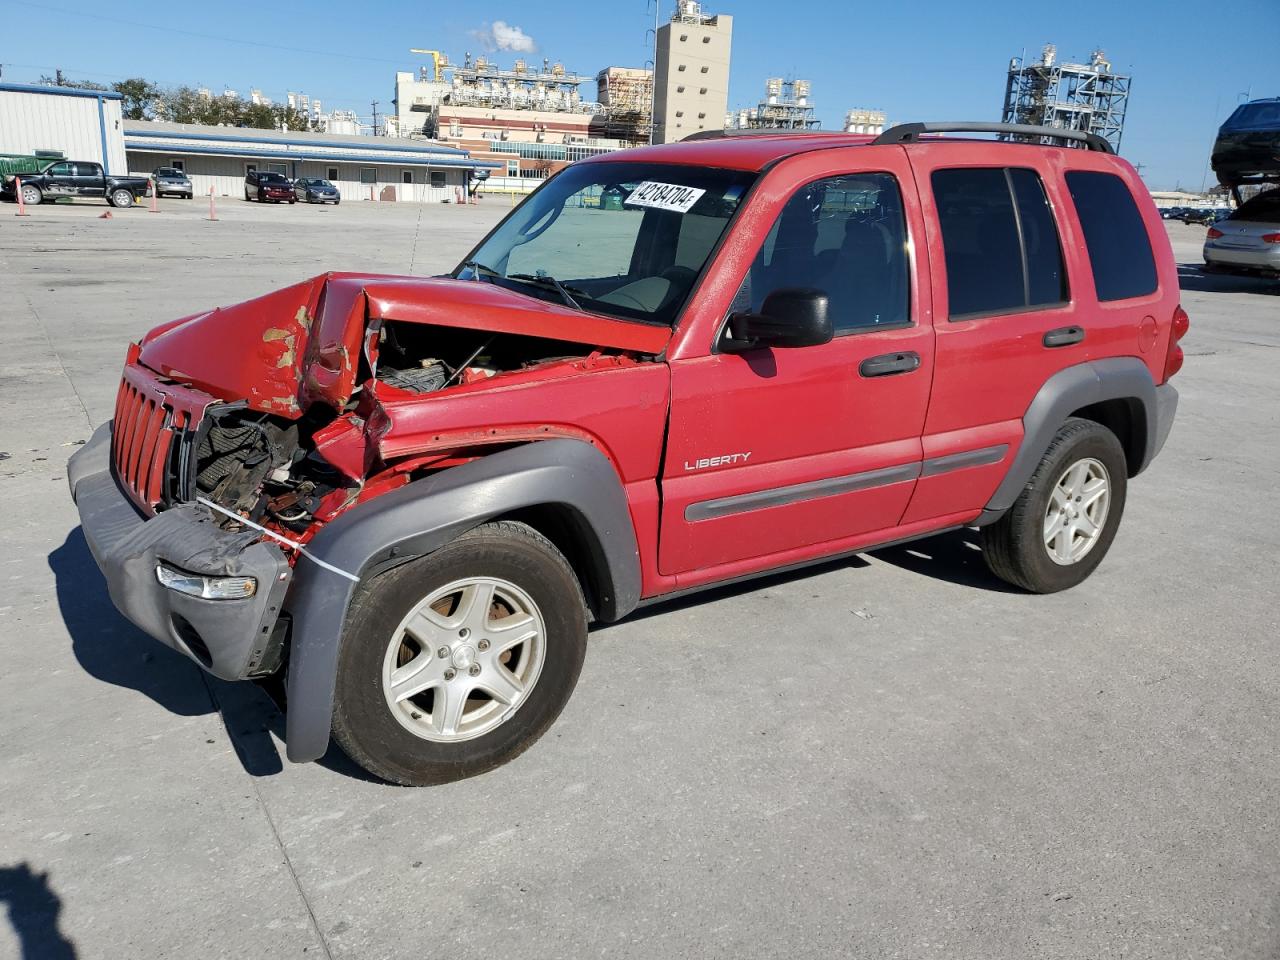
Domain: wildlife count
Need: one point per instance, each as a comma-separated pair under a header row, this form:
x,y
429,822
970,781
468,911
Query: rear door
x,y
89,180
780,454
1016,299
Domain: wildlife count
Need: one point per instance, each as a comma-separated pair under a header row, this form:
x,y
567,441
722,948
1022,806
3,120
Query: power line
x,y
210,36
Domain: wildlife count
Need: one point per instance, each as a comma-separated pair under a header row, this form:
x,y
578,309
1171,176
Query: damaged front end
x,y
240,432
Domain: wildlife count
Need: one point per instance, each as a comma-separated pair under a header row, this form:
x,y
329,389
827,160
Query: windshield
x,y
1264,208
169,172
273,178
623,239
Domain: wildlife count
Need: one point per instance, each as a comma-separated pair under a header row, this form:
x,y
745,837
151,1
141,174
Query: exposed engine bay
x,y
273,471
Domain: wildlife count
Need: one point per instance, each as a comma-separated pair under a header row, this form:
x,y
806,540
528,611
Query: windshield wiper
x,y
545,279
479,269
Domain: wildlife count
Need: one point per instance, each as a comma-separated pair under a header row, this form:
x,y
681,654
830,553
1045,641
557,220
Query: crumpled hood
x,y
301,345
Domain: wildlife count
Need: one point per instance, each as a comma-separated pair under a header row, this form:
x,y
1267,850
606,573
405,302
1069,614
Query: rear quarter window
x,y
1115,235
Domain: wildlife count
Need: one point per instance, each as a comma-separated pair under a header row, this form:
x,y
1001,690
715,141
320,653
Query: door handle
x,y
889,363
1064,336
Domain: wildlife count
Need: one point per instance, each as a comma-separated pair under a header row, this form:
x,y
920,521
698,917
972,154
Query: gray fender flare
x,y
423,516
1116,378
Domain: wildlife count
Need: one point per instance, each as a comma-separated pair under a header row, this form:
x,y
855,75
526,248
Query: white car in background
x,y
1248,241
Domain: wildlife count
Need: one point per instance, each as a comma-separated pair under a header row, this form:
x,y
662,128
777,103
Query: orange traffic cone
x,y
22,207
155,196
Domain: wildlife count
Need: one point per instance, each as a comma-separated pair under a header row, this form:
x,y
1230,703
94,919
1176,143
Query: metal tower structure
x,y
785,106
1072,96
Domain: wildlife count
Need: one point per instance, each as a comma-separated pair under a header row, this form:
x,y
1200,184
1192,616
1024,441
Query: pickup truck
x,y
404,498
75,178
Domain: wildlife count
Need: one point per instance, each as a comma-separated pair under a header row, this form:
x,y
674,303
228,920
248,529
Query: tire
x,y
293,200
1017,547
336,202
121,198
32,196
411,740
246,194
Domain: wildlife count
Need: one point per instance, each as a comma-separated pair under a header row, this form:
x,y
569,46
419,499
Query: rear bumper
x,y
232,639
1256,259
1166,410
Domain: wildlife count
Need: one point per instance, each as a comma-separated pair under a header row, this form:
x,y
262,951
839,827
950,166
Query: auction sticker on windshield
x,y
664,196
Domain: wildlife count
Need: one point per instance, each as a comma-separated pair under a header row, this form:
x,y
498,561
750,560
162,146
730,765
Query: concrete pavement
x,y
892,756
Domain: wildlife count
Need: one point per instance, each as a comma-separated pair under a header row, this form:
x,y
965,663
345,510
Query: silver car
x,y
1248,241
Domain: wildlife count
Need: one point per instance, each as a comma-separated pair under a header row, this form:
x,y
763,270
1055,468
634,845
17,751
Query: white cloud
x,y
500,35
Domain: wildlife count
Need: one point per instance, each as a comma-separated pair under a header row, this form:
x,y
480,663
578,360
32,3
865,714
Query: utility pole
x,y
1138,167
375,118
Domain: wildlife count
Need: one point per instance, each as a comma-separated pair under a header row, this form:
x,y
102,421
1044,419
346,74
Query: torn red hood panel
x,y
252,351
486,306
283,351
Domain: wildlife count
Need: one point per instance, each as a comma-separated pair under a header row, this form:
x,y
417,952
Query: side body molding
x,y
1116,378
425,515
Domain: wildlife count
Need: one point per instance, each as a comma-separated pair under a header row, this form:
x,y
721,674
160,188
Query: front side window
x,y
1000,241
1119,249
845,236
623,239
61,170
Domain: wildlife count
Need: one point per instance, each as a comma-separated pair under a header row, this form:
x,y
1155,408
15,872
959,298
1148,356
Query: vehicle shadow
x,y
113,650
34,912
1192,276
953,557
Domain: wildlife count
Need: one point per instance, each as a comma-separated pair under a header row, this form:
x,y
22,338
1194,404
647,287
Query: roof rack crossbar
x,y
910,132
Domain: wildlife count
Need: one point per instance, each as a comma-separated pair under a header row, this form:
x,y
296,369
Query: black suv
x,y
264,185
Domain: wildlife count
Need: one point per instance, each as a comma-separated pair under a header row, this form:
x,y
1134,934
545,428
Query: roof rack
x,y
759,132
910,132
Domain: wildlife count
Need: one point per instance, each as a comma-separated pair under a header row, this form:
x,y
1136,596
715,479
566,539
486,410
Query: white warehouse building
x,y
74,124
52,121
362,168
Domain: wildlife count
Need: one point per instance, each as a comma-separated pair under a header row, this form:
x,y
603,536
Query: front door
x,y
61,180
779,454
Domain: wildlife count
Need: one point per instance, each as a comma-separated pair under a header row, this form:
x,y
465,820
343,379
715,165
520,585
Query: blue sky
x,y
915,59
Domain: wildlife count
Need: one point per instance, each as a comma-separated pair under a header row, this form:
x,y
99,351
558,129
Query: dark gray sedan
x,y
315,190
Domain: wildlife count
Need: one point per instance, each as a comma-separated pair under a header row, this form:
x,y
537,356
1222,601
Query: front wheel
x,y
457,662
1062,524
31,195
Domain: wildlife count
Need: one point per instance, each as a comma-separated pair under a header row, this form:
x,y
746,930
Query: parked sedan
x,y
1200,215
264,185
171,182
1248,241
315,190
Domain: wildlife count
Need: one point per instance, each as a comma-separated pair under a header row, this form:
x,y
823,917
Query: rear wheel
x,y
1062,524
121,198
457,662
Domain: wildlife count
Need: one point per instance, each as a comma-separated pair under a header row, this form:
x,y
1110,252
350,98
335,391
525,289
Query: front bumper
x,y
170,189
1252,258
232,639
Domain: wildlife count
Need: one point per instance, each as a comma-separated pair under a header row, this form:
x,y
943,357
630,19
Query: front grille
x,y
152,436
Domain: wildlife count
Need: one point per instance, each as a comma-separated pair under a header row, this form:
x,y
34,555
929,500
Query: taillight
x,y
1214,233
1271,238
1177,330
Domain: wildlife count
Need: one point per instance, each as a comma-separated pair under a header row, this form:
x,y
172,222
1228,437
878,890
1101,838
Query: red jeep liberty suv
x,y
669,367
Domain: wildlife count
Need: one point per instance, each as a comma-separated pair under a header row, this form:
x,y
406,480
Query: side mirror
x,y
791,317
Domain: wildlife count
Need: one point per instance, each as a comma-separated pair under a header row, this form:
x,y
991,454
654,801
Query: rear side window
x,y
1000,241
1119,249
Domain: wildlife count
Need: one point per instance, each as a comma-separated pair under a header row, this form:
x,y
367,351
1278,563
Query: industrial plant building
x,y
1073,96
691,73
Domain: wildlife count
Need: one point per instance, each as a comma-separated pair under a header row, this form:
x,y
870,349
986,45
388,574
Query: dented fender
x,y
424,515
